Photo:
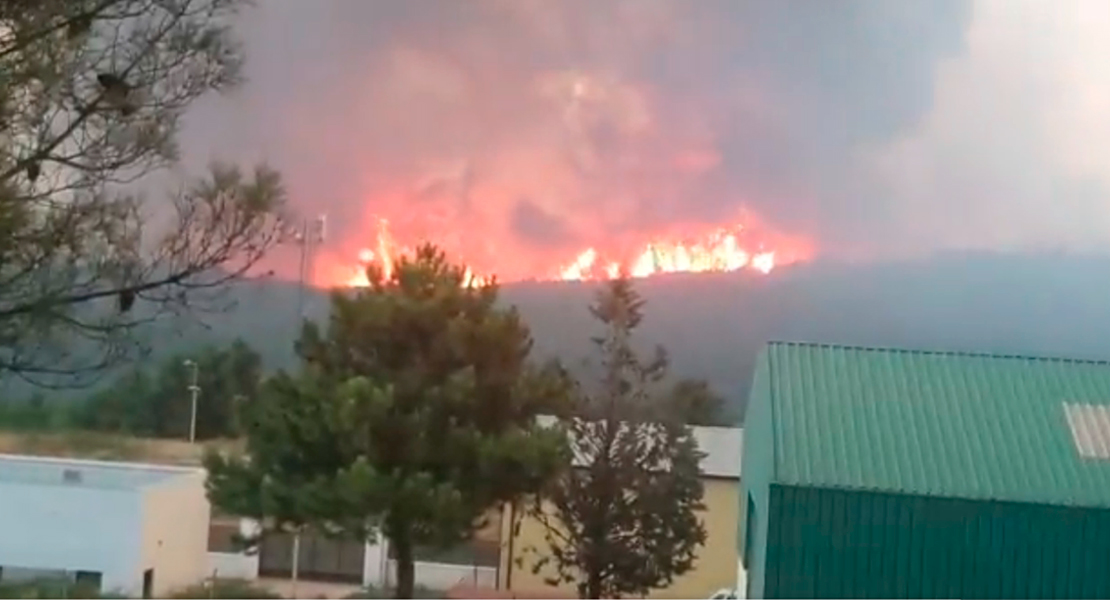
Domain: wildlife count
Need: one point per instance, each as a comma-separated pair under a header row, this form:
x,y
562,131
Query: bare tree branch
x,y
91,95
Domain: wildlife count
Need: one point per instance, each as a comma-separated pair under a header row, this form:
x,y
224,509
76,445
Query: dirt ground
x,y
98,446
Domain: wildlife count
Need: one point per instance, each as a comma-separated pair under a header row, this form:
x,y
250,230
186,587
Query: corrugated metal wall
x,y
847,544
757,463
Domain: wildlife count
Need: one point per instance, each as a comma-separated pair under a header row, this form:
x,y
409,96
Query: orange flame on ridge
x,y
718,250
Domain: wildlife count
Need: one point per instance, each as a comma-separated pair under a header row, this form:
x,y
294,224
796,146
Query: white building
x,y
135,529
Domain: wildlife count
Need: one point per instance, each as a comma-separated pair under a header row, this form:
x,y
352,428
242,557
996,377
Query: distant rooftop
x,y
722,447
32,470
970,425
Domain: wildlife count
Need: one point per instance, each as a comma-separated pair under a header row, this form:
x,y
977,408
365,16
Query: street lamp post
x,y
194,391
308,234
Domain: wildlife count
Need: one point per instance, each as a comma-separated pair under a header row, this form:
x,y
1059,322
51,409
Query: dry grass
x,y
102,446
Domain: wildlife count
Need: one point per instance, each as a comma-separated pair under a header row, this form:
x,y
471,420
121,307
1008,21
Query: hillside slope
x,y
714,325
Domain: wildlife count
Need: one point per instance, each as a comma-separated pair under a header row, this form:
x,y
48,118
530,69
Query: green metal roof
x,y
940,423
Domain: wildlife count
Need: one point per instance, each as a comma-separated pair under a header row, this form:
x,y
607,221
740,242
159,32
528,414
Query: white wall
x,y
375,565
53,526
444,576
174,542
380,571
741,579
233,565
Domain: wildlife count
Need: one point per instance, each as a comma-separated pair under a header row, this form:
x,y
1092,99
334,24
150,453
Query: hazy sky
x,y
870,126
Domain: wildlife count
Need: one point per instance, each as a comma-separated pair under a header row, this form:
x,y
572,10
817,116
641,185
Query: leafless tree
x,y
91,96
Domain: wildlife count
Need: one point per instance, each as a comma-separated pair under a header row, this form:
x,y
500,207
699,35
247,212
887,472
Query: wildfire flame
x,y
593,150
718,250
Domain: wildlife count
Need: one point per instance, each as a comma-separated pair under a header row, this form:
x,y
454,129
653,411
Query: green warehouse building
x,y
910,474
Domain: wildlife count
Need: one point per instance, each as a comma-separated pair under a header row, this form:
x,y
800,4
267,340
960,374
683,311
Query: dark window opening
x,y
148,583
749,522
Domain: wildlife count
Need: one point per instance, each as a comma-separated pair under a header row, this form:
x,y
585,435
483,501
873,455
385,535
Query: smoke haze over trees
x,y
714,325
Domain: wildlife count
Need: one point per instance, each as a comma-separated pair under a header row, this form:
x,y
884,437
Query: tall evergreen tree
x,y
428,414
625,520
297,451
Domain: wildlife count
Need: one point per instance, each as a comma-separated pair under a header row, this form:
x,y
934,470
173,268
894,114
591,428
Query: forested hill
x,y
714,325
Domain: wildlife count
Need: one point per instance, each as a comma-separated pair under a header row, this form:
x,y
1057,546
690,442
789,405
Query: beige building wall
x,y
175,532
715,567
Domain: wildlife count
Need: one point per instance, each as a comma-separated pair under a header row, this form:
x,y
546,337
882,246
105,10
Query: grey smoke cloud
x,y
869,126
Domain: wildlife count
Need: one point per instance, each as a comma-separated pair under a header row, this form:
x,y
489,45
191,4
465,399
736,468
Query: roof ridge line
x,y
938,352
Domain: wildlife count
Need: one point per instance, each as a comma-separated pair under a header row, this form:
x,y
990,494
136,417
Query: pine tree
x,y
624,521
427,420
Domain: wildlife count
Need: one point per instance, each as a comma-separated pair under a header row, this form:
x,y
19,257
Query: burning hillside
x,y
711,249
542,174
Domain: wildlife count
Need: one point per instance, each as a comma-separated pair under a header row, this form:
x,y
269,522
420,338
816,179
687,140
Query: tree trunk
x,y
593,585
406,571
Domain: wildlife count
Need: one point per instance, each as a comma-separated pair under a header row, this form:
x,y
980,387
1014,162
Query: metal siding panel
x,y
851,544
1050,551
1077,541
948,548
1069,539
822,551
891,541
758,465
938,536
1036,544
903,548
1091,563
773,557
1007,528
838,528
1094,575
937,423
825,543
801,579
986,554
874,522
1062,544
1016,532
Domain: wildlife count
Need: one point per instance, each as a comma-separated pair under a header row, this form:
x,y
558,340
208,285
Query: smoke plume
x,y
524,129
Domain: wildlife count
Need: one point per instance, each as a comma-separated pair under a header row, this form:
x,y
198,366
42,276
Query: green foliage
x,y
698,404
36,413
625,520
52,588
415,413
225,588
297,450
158,404
91,96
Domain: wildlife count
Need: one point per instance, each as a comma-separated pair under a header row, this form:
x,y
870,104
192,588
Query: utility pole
x,y
194,391
309,236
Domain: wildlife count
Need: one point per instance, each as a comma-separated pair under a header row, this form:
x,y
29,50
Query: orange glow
x,y
588,177
714,250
